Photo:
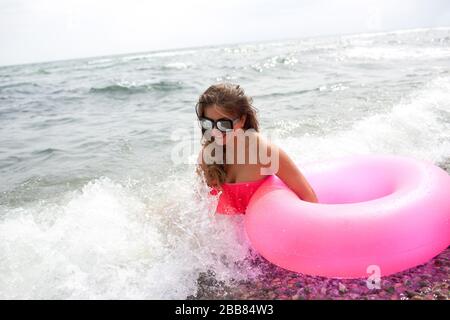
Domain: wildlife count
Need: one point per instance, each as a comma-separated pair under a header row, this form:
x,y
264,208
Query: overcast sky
x,y
45,30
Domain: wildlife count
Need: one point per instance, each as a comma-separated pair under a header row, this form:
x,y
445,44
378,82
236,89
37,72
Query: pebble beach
x,y
429,281
425,282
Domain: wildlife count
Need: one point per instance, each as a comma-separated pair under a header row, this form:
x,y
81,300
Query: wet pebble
x,y
342,288
425,282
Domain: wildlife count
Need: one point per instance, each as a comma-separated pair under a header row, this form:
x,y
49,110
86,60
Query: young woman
x,y
235,160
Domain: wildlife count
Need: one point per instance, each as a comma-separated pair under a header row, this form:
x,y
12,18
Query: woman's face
x,y
215,112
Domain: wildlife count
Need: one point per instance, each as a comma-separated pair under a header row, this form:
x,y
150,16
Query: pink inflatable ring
x,y
380,212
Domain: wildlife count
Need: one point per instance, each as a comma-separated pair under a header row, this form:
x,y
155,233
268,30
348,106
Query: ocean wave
x,y
390,53
285,94
109,240
146,56
126,87
42,71
178,65
418,126
339,86
100,61
47,151
274,62
20,87
394,32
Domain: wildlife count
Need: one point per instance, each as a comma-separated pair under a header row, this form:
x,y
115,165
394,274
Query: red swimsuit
x,y
236,196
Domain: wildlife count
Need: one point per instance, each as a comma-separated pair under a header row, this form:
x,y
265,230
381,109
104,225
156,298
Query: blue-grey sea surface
x,y
92,203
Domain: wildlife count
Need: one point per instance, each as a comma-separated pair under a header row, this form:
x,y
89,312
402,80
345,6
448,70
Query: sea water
x,y
92,203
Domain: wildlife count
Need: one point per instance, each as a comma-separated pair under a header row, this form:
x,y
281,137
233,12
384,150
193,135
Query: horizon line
x,y
175,49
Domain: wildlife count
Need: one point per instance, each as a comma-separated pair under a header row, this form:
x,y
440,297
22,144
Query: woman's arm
x,y
201,169
294,179
291,175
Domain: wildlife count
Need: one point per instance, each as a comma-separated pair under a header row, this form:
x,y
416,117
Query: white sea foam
x,y
150,55
416,126
389,53
178,65
111,240
100,61
395,32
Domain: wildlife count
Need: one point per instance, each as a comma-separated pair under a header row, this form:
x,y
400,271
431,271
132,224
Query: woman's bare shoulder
x,y
264,142
255,136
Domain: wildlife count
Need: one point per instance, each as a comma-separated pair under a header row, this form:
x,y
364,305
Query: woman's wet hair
x,y
233,101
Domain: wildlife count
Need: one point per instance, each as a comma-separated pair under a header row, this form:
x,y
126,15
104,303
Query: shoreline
x,y
425,282
429,281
